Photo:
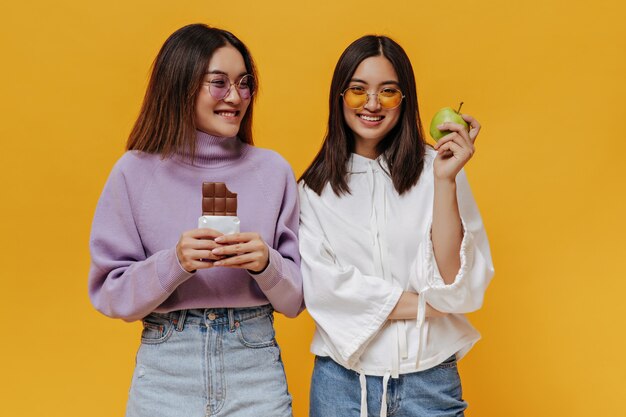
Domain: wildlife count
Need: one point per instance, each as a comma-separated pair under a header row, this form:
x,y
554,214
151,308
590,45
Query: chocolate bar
x,y
217,200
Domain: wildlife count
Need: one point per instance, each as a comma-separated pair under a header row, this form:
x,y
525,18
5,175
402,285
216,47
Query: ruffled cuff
x,y
433,276
169,270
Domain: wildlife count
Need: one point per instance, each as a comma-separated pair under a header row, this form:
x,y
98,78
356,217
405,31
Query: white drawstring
x,y
381,258
372,187
363,382
377,223
385,271
383,403
382,231
395,361
421,317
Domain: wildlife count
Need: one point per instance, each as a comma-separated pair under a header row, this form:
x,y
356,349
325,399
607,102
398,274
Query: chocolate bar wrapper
x,y
224,224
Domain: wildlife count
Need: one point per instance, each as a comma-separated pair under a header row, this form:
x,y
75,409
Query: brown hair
x,y
403,148
166,124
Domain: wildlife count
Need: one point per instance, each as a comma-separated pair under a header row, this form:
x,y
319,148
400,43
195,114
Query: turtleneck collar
x,y
214,150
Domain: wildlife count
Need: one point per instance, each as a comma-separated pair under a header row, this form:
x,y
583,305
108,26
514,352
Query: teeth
x,y
227,114
371,118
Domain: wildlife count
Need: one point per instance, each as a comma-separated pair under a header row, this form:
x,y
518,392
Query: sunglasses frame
x,y
368,98
231,84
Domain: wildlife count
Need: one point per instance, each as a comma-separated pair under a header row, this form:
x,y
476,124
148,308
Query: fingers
x,y
254,261
194,249
455,148
193,266
254,245
449,149
474,126
188,242
454,128
194,260
204,255
239,243
238,261
202,233
243,250
235,249
237,238
464,144
200,244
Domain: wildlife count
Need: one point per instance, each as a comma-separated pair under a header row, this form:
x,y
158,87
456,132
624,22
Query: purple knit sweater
x,y
148,202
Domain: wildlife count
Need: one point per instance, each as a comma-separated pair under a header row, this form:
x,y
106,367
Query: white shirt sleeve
x,y
466,293
349,307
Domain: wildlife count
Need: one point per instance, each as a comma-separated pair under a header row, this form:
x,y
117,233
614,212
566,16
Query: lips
x,y
370,118
229,114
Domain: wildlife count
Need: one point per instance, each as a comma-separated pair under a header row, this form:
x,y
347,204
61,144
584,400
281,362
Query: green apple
x,y
447,114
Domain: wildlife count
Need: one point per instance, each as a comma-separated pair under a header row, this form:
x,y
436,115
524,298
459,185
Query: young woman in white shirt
x,y
393,247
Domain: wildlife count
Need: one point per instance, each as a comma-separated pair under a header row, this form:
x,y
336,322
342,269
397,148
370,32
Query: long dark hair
x,y
166,123
403,148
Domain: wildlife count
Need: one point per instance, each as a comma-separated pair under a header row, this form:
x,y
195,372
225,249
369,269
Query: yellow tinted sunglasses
x,y
357,97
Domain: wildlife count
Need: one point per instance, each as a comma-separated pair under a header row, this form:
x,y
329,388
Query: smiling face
x,y
221,117
371,123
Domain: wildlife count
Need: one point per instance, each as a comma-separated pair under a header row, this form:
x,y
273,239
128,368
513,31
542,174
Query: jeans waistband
x,y
213,316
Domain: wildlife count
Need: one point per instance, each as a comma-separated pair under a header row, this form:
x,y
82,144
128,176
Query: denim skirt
x,y
434,392
210,362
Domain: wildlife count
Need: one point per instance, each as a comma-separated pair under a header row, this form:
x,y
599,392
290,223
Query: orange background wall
x,y
546,78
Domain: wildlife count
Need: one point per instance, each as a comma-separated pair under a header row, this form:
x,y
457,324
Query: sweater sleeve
x,y
281,281
465,294
349,307
123,282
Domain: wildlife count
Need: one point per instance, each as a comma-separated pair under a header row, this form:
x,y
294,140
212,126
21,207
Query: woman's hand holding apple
x,y
455,149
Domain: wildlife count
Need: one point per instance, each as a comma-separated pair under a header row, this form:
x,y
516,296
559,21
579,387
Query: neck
x,y
214,150
369,152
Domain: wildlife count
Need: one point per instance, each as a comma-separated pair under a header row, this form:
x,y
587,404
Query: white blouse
x,y
360,251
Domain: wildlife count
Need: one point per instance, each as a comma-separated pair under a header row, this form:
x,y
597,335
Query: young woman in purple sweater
x,y
206,299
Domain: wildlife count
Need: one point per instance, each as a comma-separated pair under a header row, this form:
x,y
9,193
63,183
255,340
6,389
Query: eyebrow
x,y
223,73
358,80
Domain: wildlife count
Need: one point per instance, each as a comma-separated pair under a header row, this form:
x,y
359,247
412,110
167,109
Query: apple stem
x,y
459,110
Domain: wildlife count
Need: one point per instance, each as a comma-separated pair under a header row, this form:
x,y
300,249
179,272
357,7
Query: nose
x,y
372,103
232,96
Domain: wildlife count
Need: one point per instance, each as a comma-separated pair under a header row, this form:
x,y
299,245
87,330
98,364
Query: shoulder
x,y
134,167
310,199
267,159
303,190
135,160
267,156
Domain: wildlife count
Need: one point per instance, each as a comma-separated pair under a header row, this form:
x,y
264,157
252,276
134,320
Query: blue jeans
x,y
435,392
213,362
